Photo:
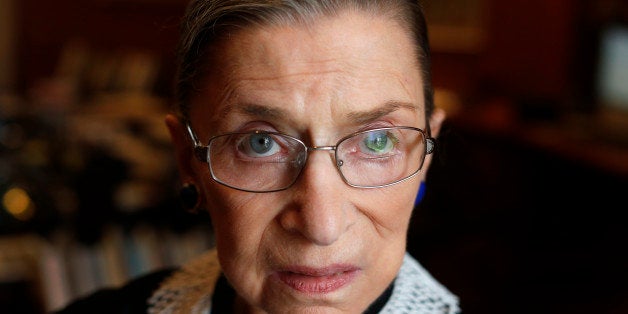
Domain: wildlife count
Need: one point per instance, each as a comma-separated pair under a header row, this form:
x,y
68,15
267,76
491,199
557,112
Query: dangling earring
x,y
188,195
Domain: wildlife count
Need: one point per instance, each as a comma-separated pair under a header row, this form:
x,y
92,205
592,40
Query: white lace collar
x,y
189,290
417,292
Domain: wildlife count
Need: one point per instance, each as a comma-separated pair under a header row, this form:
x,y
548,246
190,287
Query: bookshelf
x,y
52,271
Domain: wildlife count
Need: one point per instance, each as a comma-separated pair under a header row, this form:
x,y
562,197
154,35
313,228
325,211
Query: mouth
x,y
317,280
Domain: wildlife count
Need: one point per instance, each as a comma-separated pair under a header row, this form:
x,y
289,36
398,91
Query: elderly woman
x,y
304,128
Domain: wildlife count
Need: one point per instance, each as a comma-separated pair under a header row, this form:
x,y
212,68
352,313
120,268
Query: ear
x,y
183,149
436,121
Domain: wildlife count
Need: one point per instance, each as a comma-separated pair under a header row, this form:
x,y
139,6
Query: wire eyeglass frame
x,y
201,152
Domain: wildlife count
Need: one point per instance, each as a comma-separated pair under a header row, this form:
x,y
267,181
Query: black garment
x,y
129,299
132,297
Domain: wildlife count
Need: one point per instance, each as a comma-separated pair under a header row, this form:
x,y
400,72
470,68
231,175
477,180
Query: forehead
x,y
349,35
350,62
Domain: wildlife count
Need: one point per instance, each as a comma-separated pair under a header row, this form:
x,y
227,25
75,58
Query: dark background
x,y
525,209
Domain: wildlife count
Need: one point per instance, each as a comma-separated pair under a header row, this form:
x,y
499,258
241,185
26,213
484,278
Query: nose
x,y
319,209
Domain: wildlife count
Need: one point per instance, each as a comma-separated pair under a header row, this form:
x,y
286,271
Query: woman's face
x,y
320,246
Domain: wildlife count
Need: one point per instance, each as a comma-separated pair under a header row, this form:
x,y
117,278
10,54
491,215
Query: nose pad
x,y
300,159
339,163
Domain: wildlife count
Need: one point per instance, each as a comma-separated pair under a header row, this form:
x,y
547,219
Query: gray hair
x,y
207,22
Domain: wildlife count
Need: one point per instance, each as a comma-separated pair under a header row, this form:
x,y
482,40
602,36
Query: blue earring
x,y
420,194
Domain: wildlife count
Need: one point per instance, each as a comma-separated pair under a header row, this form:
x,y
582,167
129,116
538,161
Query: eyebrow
x,y
356,117
253,110
263,111
363,117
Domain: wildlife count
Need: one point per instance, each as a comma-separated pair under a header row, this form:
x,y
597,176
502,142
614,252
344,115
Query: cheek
x,y
391,207
238,218
241,221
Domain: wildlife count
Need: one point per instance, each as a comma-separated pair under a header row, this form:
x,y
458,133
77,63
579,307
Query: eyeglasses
x,y
263,161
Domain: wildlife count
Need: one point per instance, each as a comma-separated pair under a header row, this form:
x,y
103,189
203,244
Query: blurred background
x,y
525,209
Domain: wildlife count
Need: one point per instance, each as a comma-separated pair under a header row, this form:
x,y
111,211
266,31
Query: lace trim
x,y
417,292
188,290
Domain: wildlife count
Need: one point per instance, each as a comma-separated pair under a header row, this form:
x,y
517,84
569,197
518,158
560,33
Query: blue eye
x,y
259,145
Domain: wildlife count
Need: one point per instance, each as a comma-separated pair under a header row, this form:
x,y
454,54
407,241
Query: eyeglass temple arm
x,y
200,151
430,142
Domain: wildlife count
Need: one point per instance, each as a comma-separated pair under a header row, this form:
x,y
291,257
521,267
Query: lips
x,y
317,280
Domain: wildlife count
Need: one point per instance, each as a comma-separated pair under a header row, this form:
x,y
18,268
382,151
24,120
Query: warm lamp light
x,y
18,203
